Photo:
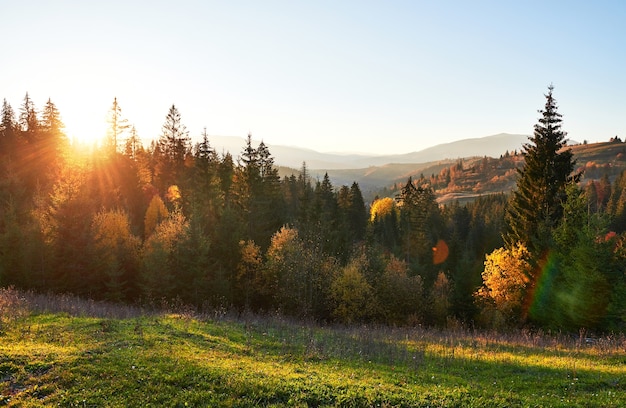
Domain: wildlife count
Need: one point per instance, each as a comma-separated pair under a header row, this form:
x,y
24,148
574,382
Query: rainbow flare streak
x,y
542,289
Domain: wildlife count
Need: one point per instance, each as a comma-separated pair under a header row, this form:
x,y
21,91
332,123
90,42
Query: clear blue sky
x,y
367,76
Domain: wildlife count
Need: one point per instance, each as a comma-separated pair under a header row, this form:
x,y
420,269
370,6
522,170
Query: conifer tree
x,y
274,202
28,121
259,197
174,137
326,222
118,125
357,213
420,220
8,127
246,183
225,170
49,146
133,145
205,198
303,207
51,118
173,147
54,140
536,206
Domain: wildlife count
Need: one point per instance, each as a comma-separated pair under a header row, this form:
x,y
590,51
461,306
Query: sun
x,y
84,127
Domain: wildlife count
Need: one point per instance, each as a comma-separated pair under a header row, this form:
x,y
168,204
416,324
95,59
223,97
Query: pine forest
x,y
178,221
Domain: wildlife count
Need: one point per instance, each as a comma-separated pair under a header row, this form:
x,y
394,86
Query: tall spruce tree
x,y
537,205
8,128
133,145
357,212
175,140
118,125
28,121
205,198
420,220
173,147
54,140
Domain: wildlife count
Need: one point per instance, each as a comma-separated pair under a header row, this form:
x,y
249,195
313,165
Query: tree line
x,y
176,220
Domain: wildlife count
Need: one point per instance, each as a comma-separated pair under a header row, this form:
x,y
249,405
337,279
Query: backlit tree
x,y
506,279
8,127
173,147
118,125
28,122
536,206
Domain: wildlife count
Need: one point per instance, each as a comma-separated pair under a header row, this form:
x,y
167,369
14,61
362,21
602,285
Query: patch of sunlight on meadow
x,y
34,350
591,361
173,359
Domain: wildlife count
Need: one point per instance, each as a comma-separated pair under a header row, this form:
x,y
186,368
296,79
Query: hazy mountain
x,y
492,146
288,156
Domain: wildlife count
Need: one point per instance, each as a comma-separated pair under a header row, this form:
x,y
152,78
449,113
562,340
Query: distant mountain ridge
x,y
490,146
288,156
486,167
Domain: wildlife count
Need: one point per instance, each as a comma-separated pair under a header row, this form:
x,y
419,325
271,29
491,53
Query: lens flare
x,y
440,252
543,287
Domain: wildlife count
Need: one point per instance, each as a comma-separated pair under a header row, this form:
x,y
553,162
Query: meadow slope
x,y
69,352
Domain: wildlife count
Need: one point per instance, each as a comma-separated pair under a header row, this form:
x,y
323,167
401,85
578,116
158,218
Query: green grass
x,y
57,358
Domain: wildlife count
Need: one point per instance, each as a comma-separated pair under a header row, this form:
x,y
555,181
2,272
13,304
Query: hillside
x,y
469,177
63,351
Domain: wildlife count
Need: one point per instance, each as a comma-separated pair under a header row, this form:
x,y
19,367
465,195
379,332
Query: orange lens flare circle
x,y
440,252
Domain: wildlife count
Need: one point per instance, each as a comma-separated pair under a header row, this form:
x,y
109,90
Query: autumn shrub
x,y
506,279
115,252
352,295
399,295
248,270
440,295
161,257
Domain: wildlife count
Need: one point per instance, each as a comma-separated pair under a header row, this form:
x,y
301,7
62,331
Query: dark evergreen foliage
x,y
179,222
173,147
537,205
118,125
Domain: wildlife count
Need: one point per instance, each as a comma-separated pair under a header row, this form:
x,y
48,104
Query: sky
x,y
376,77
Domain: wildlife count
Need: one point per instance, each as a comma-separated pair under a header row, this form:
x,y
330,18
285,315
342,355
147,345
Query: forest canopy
x,y
178,220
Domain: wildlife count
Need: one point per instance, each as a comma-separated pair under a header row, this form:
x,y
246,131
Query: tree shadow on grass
x,y
440,379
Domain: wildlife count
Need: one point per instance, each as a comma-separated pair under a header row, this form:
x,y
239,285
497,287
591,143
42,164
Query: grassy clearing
x,y
95,355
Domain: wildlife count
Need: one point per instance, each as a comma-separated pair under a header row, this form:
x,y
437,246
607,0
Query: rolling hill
x,y
460,170
466,178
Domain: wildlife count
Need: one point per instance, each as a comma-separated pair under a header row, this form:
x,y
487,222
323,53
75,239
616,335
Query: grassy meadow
x,y
63,351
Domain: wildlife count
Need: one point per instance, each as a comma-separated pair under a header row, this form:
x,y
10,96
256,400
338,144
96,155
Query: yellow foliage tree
x,y
173,194
161,256
116,250
352,294
285,278
506,280
382,207
155,213
248,269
